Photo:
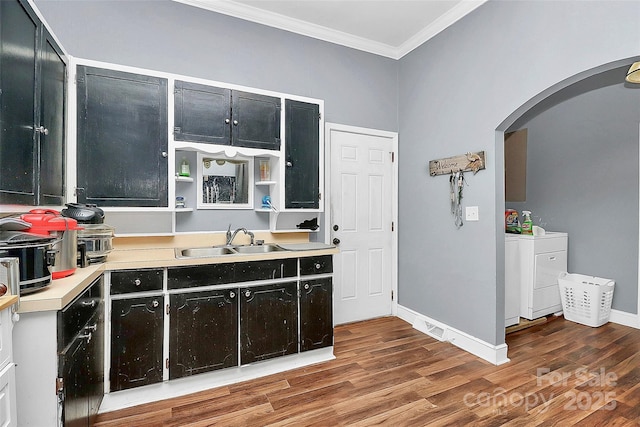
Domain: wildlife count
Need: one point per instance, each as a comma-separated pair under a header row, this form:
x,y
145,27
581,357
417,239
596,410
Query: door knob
x,y
336,228
336,241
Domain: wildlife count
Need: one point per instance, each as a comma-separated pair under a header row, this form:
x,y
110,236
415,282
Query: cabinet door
x,y
316,314
75,379
122,138
202,113
137,329
203,334
256,121
18,41
268,322
302,155
95,365
8,396
52,119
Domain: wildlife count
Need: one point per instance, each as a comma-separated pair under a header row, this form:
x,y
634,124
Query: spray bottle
x,y
527,224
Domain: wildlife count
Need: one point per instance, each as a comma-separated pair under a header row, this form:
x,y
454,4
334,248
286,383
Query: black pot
x,y
84,214
36,257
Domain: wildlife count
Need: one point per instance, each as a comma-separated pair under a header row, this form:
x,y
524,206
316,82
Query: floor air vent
x,y
430,329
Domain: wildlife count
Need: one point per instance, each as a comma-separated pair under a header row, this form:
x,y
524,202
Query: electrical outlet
x,y
471,213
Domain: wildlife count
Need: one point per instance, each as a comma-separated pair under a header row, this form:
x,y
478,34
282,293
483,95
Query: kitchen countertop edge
x,y
62,291
7,301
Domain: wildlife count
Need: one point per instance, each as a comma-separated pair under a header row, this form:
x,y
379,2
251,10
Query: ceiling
x,y
390,28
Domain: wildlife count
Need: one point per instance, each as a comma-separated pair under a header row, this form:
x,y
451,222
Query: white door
x,y
361,221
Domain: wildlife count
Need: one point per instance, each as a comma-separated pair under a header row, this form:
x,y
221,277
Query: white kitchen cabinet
x,y
511,280
7,372
542,259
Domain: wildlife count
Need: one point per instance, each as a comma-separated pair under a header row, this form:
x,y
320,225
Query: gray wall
x,y
456,91
358,88
582,177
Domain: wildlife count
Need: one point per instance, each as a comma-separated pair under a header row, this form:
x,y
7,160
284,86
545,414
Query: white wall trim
x,y
625,319
496,354
298,26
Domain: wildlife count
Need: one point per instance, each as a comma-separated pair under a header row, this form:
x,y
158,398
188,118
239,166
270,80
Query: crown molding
x,y
276,20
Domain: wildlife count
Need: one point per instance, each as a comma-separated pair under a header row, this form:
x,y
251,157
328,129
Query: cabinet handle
x,y
318,266
92,328
232,294
165,154
87,336
247,293
91,303
155,303
137,282
235,123
43,130
306,286
227,121
289,164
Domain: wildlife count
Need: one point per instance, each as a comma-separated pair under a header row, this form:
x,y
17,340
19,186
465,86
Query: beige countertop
x,y
149,252
7,301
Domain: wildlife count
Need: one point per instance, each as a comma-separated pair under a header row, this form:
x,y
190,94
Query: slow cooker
x,y
35,255
49,222
97,239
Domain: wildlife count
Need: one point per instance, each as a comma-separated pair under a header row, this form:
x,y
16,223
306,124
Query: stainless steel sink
x,y
206,252
257,249
214,251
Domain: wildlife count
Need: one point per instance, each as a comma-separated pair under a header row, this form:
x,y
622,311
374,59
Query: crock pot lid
x,y
11,238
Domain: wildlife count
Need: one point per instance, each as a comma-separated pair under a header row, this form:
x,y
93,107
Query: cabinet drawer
x,y
201,275
316,265
126,281
78,312
266,270
553,244
547,268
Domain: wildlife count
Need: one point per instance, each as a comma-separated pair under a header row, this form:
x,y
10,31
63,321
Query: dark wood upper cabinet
x,y
32,105
122,138
302,155
202,113
214,115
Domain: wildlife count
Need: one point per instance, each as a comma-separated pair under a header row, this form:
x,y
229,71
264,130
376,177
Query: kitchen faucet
x,y
231,236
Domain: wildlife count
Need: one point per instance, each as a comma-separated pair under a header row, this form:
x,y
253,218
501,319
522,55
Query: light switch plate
x,y
472,214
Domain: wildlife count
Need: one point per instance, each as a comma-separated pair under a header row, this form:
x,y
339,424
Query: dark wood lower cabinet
x,y
316,314
203,334
137,330
268,321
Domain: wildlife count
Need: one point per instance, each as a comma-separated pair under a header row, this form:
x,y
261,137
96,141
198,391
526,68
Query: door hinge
x,y
168,309
393,157
59,386
393,226
319,116
166,363
176,130
391,295
319,196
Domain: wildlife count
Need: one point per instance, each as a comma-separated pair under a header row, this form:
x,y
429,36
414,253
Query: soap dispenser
x,y
184,167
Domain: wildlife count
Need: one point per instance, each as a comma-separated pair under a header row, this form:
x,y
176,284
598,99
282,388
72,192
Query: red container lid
x,y
43,221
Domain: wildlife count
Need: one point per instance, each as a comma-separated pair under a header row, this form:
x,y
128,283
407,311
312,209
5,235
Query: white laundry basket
x,y
586,299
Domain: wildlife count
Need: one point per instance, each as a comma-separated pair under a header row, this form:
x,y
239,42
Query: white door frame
x,y
393,137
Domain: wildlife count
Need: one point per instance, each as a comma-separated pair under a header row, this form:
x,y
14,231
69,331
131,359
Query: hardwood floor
x,y
386,373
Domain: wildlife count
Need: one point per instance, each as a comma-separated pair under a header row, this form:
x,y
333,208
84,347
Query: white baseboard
x,y
496,354
624,318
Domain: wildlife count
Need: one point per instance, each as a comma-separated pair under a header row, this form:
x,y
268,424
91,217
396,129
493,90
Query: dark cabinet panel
x,y
122,138
52,118
202,113
32,71
81,356
302,155
226,117
126,281
137,331
268,321
203,332
256,121
316,314
237,272
316,265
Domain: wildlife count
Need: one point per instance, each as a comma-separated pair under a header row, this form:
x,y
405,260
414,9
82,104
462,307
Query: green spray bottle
x,y
527,224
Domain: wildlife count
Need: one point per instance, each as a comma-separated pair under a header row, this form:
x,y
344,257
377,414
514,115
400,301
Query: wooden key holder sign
x,y
470,162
